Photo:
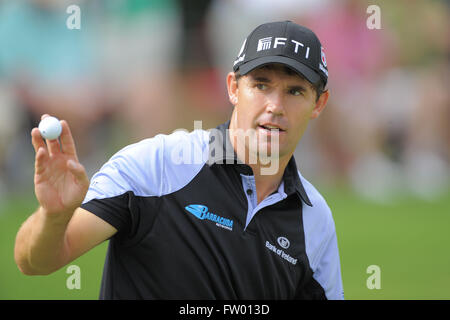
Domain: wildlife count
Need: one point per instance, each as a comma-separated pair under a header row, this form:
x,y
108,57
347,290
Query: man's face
x,y
275,106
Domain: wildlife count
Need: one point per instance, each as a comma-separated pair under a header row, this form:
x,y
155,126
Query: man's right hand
x,y
59,231
60,181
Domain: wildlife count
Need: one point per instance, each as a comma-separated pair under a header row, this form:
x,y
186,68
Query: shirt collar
x,y
222,152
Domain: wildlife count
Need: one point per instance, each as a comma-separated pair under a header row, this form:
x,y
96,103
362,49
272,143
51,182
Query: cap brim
x,y
307,72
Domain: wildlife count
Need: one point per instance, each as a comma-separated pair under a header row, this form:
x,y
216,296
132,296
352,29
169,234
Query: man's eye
x,y
261,86
295,92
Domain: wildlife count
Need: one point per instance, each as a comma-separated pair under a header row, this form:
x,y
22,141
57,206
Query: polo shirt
x,y
189,225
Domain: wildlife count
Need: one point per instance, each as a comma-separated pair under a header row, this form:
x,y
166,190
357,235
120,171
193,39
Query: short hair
x,y
319,87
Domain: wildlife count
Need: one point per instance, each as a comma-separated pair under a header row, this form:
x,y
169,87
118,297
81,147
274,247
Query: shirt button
x,y
249,192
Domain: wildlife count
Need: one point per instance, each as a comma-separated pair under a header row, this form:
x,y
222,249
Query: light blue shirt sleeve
x,y
321,244
151,167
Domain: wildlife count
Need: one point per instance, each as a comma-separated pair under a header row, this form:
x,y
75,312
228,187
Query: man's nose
x,y
275,103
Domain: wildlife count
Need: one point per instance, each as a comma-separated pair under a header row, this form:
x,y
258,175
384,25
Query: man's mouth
x,y
270,127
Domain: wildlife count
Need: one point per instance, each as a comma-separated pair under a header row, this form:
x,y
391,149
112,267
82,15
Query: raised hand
x,y
60,181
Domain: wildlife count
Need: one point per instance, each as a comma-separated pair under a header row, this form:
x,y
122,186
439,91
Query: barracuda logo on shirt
x,y
201,212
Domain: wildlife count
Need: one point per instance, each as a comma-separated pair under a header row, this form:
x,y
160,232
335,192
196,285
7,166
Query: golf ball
x,y
50,128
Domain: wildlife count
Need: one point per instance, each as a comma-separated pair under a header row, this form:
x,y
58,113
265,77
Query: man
x,y
232,219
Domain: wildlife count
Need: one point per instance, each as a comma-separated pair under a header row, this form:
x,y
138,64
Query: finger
x,y
41,160
77,169
67,143
53,146
44,115
36,140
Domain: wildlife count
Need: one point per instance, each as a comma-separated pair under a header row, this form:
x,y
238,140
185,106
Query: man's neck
x,y
267,176
266,184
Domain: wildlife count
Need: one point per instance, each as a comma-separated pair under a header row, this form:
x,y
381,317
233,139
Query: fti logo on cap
x,y
264,44
284,42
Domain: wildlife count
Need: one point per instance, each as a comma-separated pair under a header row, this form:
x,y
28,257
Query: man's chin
x,y
267,151
267,157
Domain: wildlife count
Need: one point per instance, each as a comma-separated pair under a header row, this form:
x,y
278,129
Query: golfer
x,y
217,214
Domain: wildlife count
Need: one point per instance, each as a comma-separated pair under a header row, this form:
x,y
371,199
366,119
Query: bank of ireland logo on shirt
x,y
201,212
283,242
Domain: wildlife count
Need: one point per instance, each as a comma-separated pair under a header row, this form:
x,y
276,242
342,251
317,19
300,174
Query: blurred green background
x,y
379,153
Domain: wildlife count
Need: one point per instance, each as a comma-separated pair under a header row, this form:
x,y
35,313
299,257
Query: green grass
x,y
15,285
408,239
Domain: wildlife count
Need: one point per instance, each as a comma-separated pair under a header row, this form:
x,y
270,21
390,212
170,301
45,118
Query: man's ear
x,y
320,104
232,88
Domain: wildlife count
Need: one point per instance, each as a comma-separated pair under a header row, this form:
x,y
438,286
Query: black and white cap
x,y
287,43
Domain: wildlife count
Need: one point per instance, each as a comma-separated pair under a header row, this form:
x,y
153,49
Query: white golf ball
x,y
50,128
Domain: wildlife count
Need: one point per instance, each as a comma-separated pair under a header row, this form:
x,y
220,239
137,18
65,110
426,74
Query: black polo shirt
x,y
189,225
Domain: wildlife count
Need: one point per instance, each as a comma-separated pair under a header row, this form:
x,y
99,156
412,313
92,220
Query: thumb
x,y
77,169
